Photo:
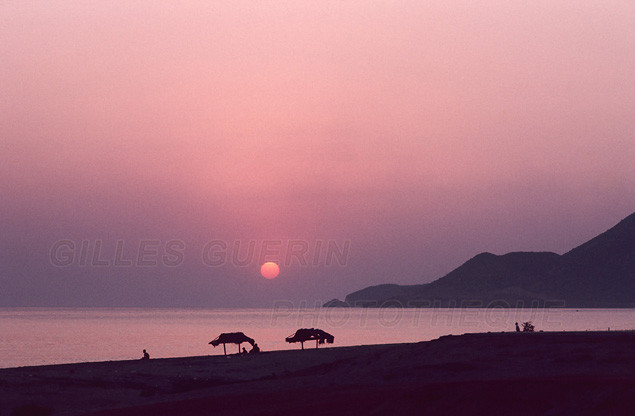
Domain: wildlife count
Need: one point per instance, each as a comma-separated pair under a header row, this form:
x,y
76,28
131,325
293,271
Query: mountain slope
x,y
602,270
598,273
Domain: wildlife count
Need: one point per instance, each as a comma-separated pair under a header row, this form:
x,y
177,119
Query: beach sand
x,y
553,373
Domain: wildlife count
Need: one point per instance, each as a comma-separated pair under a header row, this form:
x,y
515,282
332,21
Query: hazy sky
x,y
408,136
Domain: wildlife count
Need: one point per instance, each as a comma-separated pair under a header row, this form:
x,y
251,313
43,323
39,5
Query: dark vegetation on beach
x,y
535,373
598,274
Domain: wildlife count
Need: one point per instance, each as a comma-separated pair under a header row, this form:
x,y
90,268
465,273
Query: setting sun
x,y
269,270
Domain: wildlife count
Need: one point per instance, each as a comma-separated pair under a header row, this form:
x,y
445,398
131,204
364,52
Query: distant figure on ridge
x,y
146,356
517,327
255,349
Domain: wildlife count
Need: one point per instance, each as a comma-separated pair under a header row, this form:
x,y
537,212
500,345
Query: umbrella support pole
x,y
224,349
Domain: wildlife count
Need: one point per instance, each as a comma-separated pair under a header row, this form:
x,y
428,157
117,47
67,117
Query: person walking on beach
x,y
517,327
146,356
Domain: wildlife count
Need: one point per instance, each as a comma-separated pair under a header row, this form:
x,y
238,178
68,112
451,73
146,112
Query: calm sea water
x,y
38,336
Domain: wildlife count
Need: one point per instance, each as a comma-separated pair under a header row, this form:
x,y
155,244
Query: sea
x,y
42,336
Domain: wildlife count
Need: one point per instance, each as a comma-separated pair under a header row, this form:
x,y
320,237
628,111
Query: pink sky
x,y
421,132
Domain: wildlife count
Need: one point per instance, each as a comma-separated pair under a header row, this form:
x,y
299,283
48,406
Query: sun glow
x,y
269,270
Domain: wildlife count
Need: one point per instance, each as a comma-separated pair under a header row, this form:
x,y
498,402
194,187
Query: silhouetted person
x,y
255,349
517,327
146,356
244,351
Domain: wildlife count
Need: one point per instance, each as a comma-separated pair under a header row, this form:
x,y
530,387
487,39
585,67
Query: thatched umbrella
x,y
231,338
307,334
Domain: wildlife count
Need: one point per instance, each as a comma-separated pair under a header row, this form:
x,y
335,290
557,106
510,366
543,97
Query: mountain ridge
x,y
599,273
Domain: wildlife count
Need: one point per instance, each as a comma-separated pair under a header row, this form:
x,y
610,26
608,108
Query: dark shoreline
x,y
485,373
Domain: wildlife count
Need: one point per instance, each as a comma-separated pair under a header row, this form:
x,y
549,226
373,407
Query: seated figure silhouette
x,y
255,349
517,327
244,351
146,356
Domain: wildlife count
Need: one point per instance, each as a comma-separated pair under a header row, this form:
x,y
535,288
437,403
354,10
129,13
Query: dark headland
x,y
475,374
597,274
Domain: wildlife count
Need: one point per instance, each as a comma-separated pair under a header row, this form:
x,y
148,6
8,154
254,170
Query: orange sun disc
x,y
269,270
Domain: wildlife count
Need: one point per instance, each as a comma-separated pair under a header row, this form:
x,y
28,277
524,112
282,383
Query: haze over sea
x,y
40,336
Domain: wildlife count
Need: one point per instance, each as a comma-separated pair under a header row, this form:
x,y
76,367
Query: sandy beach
x,y
553,373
